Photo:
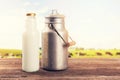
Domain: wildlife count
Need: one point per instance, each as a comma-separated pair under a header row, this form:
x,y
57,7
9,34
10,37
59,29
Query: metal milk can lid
x,y
55,17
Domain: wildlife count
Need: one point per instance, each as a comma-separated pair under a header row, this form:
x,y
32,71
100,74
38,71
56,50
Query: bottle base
x,y
30,71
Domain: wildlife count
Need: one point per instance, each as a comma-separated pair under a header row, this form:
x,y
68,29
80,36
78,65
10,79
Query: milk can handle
x,y
51,26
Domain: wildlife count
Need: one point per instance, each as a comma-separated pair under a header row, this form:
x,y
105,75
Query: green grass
x,y
10,53
75,53
92,53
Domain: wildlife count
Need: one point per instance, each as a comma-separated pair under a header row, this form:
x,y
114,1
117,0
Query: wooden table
x,y
79,69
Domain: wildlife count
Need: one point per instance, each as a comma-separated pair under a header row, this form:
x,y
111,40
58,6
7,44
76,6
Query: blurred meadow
x,y
73,52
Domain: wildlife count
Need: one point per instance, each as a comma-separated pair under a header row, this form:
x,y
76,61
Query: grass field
x,y
93,53
73,53
10,53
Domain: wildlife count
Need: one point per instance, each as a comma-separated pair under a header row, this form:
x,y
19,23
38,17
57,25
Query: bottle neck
x,y
30,23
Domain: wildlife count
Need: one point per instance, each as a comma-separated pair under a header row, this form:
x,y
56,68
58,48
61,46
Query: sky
x,y
91,23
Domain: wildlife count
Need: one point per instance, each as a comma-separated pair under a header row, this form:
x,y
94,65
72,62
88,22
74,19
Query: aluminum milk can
x,y
54,41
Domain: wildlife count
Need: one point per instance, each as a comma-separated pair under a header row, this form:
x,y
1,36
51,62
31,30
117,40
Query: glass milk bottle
x,y
30,46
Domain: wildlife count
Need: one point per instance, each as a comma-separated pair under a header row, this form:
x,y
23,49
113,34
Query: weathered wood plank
x,y
79,69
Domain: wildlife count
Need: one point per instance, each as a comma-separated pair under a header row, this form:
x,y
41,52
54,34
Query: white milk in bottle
x,y
30,45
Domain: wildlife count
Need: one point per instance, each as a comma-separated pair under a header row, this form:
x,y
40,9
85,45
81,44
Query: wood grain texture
x,y
79,69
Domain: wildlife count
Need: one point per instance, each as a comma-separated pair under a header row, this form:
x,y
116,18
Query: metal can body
x,y
54,53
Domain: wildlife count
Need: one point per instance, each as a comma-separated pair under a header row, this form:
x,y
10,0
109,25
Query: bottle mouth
x,y
30,14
